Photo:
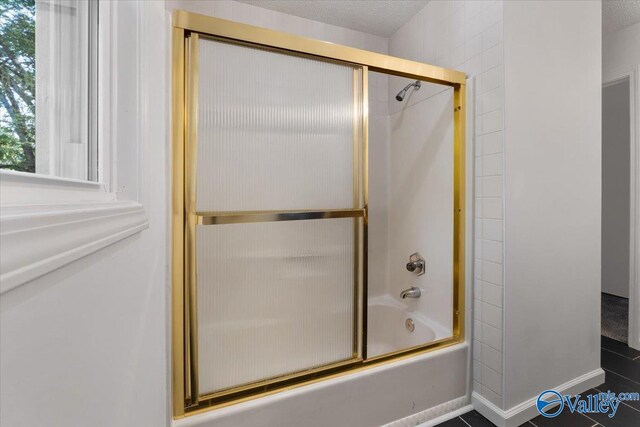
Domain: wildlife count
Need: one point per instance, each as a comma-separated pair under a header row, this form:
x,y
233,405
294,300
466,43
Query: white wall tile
x,y
492,207
492,294
477,186
457,27
492,358
492,164
478,242
491,272
492,36
492,143
491,315
492,251
491,14
491,122
478,309
493,397
458,56
492,229
478,230
473,66
491,379
472,9
477,350
491,79
492,57
473,27
477,371
491,100
473,47
478,211
492,337
492,186
477,290
477,327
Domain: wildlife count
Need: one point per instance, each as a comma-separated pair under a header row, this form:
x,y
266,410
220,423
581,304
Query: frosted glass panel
x,y
273,298
275,131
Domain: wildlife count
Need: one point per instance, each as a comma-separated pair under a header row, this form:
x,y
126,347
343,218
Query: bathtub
x,y
401,393
387,330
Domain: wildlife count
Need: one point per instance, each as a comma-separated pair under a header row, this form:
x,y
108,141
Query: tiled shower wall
x,y
467,35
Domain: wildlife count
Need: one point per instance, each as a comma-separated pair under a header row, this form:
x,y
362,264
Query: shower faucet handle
x,y
416,264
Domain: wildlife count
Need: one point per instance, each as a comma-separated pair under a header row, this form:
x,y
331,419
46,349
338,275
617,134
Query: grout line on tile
x,y
465,421
591,419
622,376
488,303
619,354
623,402
492,240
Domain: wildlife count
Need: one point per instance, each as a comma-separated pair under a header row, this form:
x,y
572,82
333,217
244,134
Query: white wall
x,y
552,60
86,345
616,180
620,52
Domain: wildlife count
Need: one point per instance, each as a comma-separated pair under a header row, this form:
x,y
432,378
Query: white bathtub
x,y
405,392
386,330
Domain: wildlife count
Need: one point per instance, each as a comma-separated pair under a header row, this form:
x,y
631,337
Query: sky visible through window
x,y
17,85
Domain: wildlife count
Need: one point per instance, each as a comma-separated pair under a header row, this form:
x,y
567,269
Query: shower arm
x,y
400,96
417,84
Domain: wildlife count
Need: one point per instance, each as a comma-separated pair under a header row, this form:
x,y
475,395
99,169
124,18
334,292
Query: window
x,y
48,87
52,167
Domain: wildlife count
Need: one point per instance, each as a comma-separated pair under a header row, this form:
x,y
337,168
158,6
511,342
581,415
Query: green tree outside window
x,y
17,85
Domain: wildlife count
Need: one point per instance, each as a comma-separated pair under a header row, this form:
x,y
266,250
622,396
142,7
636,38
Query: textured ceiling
x,y
382,18
618,14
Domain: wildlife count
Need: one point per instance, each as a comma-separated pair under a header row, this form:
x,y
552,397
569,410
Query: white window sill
x,y
38,235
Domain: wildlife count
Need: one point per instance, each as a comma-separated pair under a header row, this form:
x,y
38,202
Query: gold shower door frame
x,y
187,29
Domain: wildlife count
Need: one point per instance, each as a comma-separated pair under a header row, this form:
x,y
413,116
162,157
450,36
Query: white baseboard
x,y
436,415
527,410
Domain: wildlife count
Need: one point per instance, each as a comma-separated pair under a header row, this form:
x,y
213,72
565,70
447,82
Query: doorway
x,y
616,181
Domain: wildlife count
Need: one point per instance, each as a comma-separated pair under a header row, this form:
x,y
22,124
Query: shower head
x,y
400,96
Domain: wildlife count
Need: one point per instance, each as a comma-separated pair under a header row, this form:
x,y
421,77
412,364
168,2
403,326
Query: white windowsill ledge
x,y
39,238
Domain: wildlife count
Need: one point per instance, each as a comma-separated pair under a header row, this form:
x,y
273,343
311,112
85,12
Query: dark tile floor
x,y
622,368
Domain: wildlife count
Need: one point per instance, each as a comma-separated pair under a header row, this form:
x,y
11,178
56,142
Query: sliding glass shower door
x,y
274,214
273,227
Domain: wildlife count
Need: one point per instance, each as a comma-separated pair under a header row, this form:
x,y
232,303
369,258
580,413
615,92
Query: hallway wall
x,y
616,183
620,52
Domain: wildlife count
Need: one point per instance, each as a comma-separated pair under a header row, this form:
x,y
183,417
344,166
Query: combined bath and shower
x,y
400,96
